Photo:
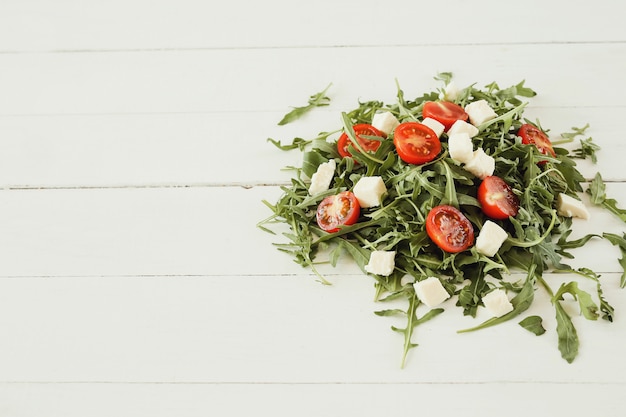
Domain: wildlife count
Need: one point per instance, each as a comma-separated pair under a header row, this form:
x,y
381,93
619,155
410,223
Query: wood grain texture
x,y
133,164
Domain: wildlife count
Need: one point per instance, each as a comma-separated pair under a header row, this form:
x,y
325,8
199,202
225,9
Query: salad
x,y
443,196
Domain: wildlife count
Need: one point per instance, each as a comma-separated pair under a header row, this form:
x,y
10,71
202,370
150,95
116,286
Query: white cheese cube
x,y
435,125
497,303
461,126
369,191
481,164
460,147
480,112
320,181
490,238
431,291
450,92
385,122
568,206
381,262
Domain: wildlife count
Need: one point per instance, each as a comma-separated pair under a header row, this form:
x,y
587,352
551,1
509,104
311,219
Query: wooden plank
x,y
180,231
161,400
143,24
208,148
278,330
274,79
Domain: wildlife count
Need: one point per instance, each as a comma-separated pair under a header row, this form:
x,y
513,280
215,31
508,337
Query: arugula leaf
x,y
568,337
607,310
412,322
619,241
316,100
533,324
300,143
576,131
588,149
597,190
587,306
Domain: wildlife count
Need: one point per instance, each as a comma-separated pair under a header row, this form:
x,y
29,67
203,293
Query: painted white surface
x,y
133,162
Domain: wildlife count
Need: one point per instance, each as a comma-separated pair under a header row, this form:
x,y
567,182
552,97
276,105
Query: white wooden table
x,y
133,162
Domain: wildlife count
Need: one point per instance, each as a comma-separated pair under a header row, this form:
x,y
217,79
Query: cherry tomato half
x,y
532,135
449,229
445,112
368,145
497,199
416,143
338,210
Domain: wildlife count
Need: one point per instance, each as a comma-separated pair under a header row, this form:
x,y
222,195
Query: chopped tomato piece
x,y
416,143
449,229
338,210
445,112
533,135
497,199
360,130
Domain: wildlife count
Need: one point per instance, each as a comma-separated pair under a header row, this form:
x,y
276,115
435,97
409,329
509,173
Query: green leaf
x,y
567,336
412,322
316,100
311,161
390,312
588,149
576,131
296,143
607,310
587,307
619,241
597,191
611,205
533,324
444,77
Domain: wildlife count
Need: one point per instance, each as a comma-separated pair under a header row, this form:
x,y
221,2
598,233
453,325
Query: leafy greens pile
x,y
538,236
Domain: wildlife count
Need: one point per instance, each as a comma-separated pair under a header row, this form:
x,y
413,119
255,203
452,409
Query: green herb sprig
x,y
316,100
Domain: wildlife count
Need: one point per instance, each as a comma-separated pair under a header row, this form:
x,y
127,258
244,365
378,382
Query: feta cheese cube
x,y
497,303
480,112
385,122
460,147
490,238
435,125
381,262
369,191
320,180
431,291
450,92
461,126
481,164
568,206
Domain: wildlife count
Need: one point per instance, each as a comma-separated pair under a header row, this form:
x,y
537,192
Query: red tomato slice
x,y
497,199
416,143
360,129
449,229
532,135
445,112
338,210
